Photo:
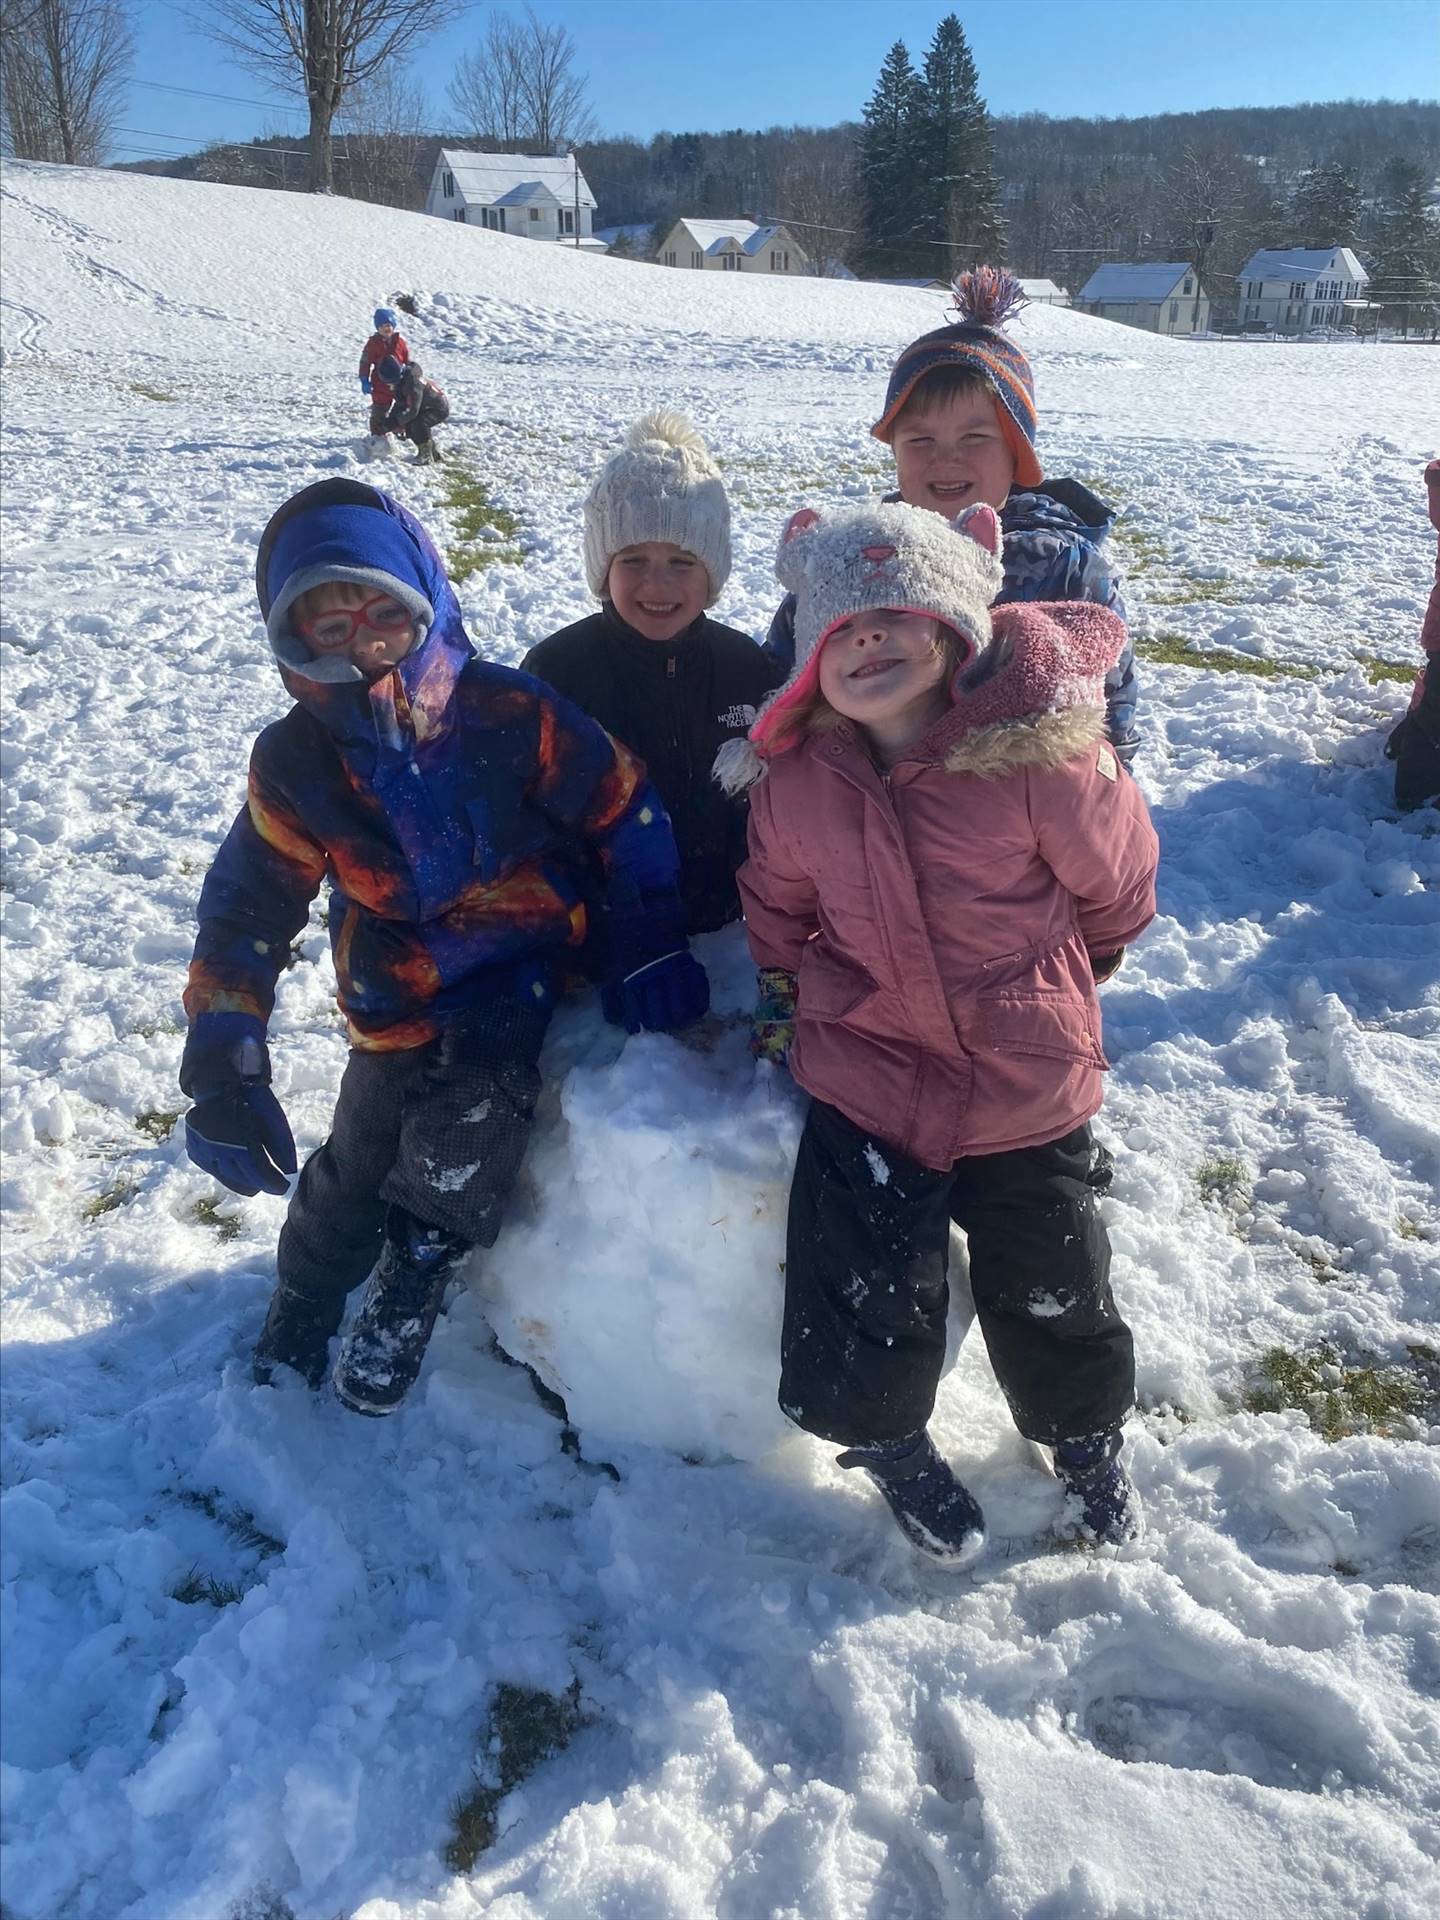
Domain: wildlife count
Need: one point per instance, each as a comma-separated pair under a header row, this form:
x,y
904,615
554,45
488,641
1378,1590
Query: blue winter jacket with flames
x,y
453,805
1054,539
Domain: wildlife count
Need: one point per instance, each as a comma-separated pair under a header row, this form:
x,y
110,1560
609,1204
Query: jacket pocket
x,y
1054,1026
831,987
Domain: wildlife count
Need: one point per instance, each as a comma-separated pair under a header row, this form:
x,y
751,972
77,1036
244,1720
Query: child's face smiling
x,y
952,456
885,669
370,630
657,588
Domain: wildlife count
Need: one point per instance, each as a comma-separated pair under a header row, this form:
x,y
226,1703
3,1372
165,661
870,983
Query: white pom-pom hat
x,y
661,485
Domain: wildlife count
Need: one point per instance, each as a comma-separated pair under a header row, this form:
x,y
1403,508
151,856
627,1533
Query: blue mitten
x,y
365,383
654,980
236,1131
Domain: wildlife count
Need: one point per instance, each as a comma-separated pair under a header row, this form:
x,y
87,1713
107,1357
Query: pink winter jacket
x,y
940,921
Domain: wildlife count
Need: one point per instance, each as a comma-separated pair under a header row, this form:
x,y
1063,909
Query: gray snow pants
x,y
439,1130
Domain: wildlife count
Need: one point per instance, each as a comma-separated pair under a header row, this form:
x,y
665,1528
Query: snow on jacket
x,y
1054,535
417,402
941,919
453,805
675,703
371,354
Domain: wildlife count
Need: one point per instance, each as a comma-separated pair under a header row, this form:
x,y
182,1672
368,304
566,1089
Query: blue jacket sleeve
x,y
779,643
255,899
599,788
1087,576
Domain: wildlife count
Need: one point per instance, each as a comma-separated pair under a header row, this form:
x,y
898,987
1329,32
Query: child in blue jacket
x,y
455,808
960,418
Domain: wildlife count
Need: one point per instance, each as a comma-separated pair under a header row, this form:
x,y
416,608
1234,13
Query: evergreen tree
x,y
959,196
1325,208
1407,259
888,174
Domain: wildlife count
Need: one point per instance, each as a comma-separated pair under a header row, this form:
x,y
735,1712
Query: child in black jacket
x,y
651,667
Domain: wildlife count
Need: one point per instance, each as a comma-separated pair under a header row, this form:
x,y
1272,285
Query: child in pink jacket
x,y
945,855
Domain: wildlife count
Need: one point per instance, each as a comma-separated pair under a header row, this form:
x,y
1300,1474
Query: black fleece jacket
x,y
675,703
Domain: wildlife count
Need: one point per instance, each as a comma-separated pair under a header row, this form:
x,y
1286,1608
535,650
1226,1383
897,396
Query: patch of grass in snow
x,y
119,1194
1291,562
1378,670
487,534
156,1123
203,1589
1141,547
152,1029
240,1525
1192,592
1409,1229
1225,1179
1174,650
526,1728
1337,1399
150,393
207,1213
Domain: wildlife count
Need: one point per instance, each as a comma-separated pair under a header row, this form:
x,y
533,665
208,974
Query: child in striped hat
x,y
960,418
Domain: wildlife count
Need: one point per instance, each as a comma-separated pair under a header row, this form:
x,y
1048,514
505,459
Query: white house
x,y
733,246
1044,293
1162,296
1291,289
539,196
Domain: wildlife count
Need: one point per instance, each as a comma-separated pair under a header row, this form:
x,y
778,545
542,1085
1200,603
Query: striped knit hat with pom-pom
x,y
661,485
984,300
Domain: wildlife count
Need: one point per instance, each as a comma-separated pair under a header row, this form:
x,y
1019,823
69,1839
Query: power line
x,y
232,99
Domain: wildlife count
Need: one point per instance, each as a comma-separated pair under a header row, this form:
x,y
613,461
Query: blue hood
x,y
1058,506
343,530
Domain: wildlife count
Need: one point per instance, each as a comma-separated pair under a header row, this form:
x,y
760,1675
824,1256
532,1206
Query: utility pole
x,y
575,163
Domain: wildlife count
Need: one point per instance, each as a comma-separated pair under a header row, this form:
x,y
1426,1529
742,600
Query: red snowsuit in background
x,y
371,354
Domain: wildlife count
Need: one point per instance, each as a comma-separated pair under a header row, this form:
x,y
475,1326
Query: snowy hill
x,y
256,1650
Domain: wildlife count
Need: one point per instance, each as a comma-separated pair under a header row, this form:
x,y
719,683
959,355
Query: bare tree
x,y
63,65
521,84
818,195
321,49
381,122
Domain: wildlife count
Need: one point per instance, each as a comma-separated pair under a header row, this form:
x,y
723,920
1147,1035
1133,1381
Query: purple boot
x,y
936,1513
1103,1505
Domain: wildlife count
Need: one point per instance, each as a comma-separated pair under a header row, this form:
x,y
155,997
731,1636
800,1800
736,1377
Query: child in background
x,y
656,673
1414,745
945,856
449,802
416,408
386,342
960,419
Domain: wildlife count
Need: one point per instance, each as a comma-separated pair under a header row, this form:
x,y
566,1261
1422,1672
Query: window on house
x,y
1174,311
458,213
449,181
567,220
534,213
1189,286
670,258
730,261
697,258
1297,289
494,218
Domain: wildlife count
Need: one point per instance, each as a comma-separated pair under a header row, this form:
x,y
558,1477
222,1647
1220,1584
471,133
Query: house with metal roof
x,y
1045,293
538,196
1292,289
733,246
1163,296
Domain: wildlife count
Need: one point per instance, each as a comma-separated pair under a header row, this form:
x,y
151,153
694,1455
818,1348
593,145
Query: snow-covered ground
x,y
255,1649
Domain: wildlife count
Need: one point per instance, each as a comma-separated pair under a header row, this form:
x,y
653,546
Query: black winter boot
x,y
297,1333
383,1351
1103,1504
1414,746
936,1512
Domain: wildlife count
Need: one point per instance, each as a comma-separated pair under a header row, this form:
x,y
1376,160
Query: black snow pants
x,y
439,1130
866,1290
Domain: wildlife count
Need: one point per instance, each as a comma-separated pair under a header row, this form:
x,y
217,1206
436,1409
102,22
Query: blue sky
x,y
696,65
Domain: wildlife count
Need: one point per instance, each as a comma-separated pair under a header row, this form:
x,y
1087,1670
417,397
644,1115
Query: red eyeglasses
x,y
339,626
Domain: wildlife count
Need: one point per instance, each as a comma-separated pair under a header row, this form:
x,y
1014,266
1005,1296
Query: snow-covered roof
x,y
1043,290
710,235
1303,263
638,232
485,179
1135,280
530,193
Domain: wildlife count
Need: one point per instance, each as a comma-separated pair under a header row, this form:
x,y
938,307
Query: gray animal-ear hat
x,y
878,556
661,485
